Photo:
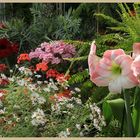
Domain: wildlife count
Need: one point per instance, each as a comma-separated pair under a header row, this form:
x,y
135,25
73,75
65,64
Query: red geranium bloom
x,y
7,48
41,66
52,73
2,67
62,78
4,82
23,57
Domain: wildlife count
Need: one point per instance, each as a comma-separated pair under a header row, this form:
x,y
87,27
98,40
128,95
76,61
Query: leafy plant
x,y
125,32
68,26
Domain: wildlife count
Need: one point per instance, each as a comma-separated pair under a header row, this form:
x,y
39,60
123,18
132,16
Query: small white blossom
x,y
21,82
38,117
77,89
78,126
11,71
81,134
39,82
62,134
36,98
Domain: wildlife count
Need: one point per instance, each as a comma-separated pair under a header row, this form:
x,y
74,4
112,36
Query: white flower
x,y
38,117
39,82
81,134
86,127
41,100
38,76
62,134
68,131
21,69
11,71
36,98
17,119
31,87
70,105
21,82
2,111
77,89
11,79
78,126
78,101
16,66
3,76
47,89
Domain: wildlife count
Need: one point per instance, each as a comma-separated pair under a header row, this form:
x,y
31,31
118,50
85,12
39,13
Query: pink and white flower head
x,y
136,63
113,70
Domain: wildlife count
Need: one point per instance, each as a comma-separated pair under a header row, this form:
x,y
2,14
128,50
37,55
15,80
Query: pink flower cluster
x,y
53,52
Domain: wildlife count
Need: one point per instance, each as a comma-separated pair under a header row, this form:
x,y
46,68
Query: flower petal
x,y
136,50
112,54
93,59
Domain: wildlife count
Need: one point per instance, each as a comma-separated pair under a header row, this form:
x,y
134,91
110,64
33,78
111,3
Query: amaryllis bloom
x,y
136,63
23,57
7,48
41,66
51,73
113,70
2,67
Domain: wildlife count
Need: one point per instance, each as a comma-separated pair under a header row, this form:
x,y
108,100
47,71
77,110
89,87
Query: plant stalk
x,y
128,114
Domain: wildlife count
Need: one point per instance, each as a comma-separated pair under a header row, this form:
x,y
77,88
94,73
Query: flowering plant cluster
x,y
53,52
37,100
38,108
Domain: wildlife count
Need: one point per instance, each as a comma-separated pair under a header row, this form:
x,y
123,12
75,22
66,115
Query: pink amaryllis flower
x,y
136,63
113,70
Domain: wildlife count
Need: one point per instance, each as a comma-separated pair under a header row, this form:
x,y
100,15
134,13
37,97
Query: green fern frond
x,y
108,19
79,77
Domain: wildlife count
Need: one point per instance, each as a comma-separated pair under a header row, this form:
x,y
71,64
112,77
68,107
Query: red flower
x,y
7,48
2,67
23,57
4,82
41,66
2,92
62,78
52,73
59,96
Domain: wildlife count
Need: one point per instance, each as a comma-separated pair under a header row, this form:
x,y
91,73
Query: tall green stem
x,y
128,114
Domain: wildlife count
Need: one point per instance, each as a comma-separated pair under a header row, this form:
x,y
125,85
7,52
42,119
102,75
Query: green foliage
x,y
111,130
136,112
79,77
107,112
126,31
67,26
18,104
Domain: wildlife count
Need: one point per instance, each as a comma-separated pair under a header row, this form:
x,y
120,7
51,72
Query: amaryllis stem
x,y
128,114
